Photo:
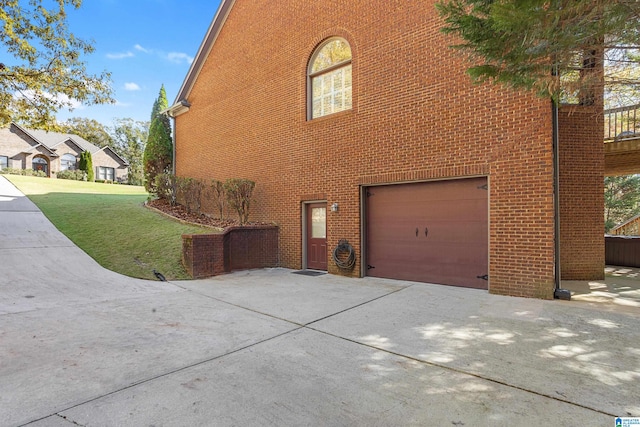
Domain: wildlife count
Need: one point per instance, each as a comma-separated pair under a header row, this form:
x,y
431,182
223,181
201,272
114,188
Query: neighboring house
x,y
358,122
630,227
52,152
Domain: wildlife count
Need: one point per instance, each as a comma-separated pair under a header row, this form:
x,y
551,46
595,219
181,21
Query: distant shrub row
x,y
24,172
77,175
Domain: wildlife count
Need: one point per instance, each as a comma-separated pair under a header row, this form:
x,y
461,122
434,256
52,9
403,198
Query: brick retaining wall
x,y
238,248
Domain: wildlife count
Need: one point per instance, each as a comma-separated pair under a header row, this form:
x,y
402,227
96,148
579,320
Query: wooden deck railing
x,y
622,123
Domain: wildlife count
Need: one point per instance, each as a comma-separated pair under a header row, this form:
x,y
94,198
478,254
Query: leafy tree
x,y
43,71
86,164
621,199
89,129
519,42
129,138
158,152
623,85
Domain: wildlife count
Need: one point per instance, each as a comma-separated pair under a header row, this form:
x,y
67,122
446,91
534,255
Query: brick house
x,y
52,152
357,122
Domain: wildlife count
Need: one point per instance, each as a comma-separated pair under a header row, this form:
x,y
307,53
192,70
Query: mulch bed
x,y
180,212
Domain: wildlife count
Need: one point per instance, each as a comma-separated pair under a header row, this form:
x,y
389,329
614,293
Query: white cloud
x,y
175,57
179,57
131,86
141,49
121,55
58,98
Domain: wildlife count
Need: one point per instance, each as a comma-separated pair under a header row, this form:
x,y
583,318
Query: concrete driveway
x,y
80,345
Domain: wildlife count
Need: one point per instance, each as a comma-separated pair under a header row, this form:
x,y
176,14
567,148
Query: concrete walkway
x,y
80,345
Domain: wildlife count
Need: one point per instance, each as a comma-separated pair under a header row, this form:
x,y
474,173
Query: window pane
x,y
319,223
332,92
68,162
110,173
347,99
4,162
317,108
347,76
327,105
334,52
331,79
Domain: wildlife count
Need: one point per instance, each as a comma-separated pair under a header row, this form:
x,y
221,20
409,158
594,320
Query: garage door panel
x,y
436,234
430,232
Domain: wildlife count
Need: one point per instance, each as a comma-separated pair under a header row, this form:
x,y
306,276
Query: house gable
x,y
108,151
68,146
20,147
181,104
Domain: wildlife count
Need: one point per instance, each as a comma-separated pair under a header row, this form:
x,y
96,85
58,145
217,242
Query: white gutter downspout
x,y
174,111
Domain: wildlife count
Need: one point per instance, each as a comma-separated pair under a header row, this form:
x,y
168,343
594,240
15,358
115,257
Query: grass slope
x,y
110,223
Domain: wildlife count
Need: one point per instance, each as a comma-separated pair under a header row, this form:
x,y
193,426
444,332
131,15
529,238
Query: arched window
x,y
40,164
68,162
329,78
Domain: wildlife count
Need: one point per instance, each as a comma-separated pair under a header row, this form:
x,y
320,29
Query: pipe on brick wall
x,y
558,292
173,132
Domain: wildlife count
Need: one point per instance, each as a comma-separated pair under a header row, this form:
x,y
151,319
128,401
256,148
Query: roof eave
x,y
178,108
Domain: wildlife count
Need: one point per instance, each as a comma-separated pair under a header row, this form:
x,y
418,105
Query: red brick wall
x,y
253,247
581,193
415,117
238,248
203,255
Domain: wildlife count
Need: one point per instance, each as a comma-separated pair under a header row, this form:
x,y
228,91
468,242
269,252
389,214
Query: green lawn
x,y
110,223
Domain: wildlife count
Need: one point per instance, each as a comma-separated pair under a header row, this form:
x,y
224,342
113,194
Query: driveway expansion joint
x,y
163,375
463,372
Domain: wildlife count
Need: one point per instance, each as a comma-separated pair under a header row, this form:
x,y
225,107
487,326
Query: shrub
x,y
218,196
190,192
24,172
86,164
10,171
77,175
239,193
166,187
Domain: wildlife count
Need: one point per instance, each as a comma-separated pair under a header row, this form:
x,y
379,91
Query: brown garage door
x,y
432,232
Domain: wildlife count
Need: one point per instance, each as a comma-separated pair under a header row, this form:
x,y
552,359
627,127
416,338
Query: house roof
x,y
181,103
629,221
50,140
53,139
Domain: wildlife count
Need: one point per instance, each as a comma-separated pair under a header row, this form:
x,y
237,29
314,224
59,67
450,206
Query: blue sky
x,y
144,44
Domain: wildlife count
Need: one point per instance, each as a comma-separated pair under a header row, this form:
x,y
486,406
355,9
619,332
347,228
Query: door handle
x,y
426,231
416,231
